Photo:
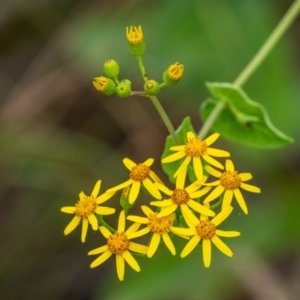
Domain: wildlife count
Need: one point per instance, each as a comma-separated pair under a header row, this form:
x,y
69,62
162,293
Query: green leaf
x,y
242,120
171,168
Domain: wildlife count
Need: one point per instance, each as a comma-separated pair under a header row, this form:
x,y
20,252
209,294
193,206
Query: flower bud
x,y
135,39
111,68
123,89
173,74
151,87
104,85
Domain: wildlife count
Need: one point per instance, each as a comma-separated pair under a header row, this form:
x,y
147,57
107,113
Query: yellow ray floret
x,y
195,150
119,244
140,174
205,230
85,210
230,181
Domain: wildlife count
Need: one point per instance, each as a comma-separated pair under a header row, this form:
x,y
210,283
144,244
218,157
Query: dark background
x,y
58,136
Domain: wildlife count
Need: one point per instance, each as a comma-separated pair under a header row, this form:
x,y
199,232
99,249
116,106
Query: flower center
x,y
206,229
149,85
195,148
85,206
230,180
180,196
160,225
139,172
175,71
118,243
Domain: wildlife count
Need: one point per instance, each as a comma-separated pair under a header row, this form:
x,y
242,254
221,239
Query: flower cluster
x,y
192,209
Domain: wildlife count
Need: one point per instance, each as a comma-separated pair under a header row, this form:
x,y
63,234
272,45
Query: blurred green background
x,y
58,136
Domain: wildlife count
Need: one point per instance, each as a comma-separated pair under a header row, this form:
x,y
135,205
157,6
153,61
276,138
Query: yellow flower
x,y
134,34
196,149
160,227
119,243
183,197
85,210
205,230
139,174
175,71
230,182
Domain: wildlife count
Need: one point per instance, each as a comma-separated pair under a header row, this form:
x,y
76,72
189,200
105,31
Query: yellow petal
x,y
138,248
200,208
134,191
131,261
148,162
98,250
250,188
164,189
229,165
211,139
68,209
147,210
104,197
153,244
198,169
214,194
72,225
217,152
190,246
228,195
101,259
183,167
221,246
213,172
151,188
200,193
93,221
154,177
177,148
212,161
138,219
183,231
120,186
221,216
163,203
167,211
173,157
84,229
121,223
240,200
189,217
139,233
227,233
103,210
129,164
195,185
245,176
206,248
180,176
105,232
96,189
120,264
168,243
133,228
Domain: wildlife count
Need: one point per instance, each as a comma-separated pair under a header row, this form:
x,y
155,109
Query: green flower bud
x,y
111,68
104,85
151,87
123,89
135,39
173,74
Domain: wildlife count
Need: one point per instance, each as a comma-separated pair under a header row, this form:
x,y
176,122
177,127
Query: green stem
x,y
164,117
211,119
269,44
106,225
142,68
266,48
